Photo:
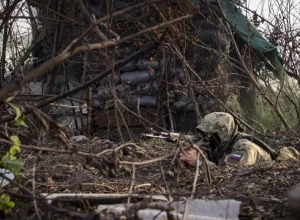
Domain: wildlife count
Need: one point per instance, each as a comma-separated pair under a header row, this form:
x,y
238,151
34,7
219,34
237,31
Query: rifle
x,y
173,137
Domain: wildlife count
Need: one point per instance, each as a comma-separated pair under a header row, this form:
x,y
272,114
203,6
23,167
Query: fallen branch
x,y
98,196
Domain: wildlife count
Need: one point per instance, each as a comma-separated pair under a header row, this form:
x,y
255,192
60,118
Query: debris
x,y
75,180
260,188
8,174
79,139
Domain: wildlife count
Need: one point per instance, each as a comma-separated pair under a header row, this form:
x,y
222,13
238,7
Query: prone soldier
x,y
227,144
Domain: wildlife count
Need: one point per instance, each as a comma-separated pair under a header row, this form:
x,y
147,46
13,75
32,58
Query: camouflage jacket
x,y
239,148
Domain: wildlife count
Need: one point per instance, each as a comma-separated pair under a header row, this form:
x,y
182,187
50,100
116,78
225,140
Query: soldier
x,y
228,145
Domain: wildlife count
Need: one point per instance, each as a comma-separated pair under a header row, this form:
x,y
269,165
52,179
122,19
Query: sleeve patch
x,y
236,157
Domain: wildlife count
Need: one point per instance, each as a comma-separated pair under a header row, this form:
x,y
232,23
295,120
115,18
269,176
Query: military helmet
x,y
220,123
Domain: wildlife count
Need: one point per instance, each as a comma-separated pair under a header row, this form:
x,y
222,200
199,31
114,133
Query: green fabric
x,y
247,32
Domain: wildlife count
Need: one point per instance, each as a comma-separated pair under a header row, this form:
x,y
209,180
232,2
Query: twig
x,y
142,118
46,95
87,14
36,112
66,106
131,184
295,106
72,101
59,126
31,147
84,130
117,108
145,162
42,198
280,90
33,191
28,51
111,31
54,12
118,148
166,184
22,188
3,53
195,177
5,129
4,15
90,106
114,94
196,108
105,18
80,182
125,123
205,162
186,210
191,94
139,112
164,73
178,149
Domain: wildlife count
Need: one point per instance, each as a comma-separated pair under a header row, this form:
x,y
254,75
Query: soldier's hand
x,y
189,156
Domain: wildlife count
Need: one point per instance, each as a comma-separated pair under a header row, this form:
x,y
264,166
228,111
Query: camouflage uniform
x,y
243,151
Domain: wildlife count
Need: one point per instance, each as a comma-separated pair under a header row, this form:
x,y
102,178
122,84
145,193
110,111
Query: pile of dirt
x,y
262,189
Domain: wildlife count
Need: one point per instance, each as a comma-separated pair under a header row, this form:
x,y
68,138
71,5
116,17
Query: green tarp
x,y
248,33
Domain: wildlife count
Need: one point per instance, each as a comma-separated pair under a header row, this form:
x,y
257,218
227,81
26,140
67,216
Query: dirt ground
x,y
262,189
